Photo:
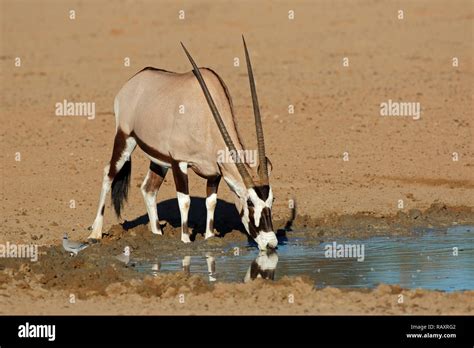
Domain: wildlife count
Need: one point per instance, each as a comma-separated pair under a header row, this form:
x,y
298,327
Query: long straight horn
x,y
220,124
263,170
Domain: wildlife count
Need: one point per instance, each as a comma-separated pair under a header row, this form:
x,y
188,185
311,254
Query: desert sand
x,y
51,167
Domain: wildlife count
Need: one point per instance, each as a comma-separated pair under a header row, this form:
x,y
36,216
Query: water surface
x,y
441,259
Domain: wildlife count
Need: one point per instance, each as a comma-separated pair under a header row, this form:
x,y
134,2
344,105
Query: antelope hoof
x,y
185,238
92,240
94,236
158,228
209,234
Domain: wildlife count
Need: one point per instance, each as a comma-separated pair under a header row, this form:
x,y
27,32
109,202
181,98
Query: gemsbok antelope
x,y
147,113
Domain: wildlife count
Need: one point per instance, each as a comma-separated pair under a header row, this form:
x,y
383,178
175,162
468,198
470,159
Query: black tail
x,y
120,186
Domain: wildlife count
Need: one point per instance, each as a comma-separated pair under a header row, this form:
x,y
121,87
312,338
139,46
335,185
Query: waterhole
x,y
437,259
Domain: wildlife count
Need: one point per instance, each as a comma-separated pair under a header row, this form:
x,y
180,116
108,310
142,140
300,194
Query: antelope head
x,y
257,198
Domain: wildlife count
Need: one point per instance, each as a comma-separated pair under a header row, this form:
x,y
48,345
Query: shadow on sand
x,y
226,217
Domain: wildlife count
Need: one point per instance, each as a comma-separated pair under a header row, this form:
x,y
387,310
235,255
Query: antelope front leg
x,y
211,201
180,174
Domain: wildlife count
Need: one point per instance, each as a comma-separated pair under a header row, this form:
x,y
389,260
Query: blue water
x,y
426,259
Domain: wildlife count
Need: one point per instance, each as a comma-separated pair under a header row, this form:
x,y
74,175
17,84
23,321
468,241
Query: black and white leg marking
x,y
150,186
211,201
180,174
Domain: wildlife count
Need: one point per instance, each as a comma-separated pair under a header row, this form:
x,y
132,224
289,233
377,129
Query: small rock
x,y
414,214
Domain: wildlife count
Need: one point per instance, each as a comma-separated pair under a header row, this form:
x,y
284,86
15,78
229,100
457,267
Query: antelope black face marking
x,y
259,207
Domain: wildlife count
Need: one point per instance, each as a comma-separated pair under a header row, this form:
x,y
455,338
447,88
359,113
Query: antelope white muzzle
x,y
266,240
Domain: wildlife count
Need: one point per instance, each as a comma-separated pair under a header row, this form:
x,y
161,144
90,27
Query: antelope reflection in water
x,y
263,266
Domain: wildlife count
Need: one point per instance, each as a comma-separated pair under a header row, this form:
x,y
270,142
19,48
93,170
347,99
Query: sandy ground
x,y
54,187
287,296
99,283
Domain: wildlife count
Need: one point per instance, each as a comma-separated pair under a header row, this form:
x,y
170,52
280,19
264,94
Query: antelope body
x,y
184,121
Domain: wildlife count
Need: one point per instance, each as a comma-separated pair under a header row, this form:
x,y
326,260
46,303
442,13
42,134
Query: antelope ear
x,y
269,166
